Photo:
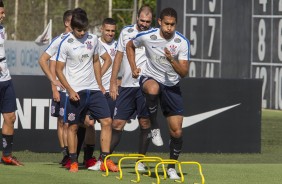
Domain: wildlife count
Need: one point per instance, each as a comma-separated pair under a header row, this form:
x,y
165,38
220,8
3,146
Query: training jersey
x,y
128,33
111,49
4,71
158,67
77,54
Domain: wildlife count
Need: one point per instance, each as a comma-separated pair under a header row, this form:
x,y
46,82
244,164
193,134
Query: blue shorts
x,y
171,100
7,97
111,103
55,108
93,101
63,105
129,103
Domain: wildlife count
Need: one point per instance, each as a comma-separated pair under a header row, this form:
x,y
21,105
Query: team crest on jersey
x,y
112,52
153,37
71,117
177,40
172,49
130,30
89,45
70,40
89,37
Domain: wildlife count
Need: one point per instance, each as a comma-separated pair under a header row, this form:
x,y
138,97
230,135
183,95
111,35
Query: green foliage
x,y
30,19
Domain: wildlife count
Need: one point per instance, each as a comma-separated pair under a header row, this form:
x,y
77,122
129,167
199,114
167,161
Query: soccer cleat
x,y
111,166
64,160
90,162
141,167
74,167
172,174
156,137
96,167
10,160
68,164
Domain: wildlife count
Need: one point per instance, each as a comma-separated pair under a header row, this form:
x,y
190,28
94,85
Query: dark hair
x,y
168,12
145,8
1,4
110,21
66,15
79,20
79,10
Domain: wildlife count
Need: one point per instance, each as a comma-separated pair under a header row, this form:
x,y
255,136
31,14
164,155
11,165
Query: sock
x,y
73,157
152,102
175,147
116,136
144,140
65,151
7,141
88,151
80,138
103,155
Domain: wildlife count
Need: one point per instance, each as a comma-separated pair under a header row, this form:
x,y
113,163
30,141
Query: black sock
x,y
116,136
88,151
65,151
103,155
144,140
73,157
80,138
152,102
7,141
175,147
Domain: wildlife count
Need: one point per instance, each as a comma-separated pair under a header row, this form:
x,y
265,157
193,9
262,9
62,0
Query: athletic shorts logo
x,y
62,111
52,109
71,117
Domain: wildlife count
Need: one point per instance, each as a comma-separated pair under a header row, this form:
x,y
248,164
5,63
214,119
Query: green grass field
x,y
41,168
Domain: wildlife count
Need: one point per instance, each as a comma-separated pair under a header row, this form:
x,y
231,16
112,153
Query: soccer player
x,y
130,99
8,104
168,54
78,54
59,95
107,41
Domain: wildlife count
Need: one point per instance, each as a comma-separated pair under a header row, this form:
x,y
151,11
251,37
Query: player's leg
x,y
7,108
89,142
151,90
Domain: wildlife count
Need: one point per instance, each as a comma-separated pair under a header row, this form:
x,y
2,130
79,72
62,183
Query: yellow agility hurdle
x,y
192,163
118,155
147,160
140,156
167,161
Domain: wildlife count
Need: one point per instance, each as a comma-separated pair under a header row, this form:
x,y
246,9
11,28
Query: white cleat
x,y
172,174
96,167
141,167
156,137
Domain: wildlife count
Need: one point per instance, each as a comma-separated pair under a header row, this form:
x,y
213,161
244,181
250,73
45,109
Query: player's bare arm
x,y
130,51
59,72
56,94
180,66
43,62
107,63
115,70
97,72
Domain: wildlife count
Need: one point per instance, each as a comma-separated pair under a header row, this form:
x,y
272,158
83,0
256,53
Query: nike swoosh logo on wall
x,y
187,121
191,120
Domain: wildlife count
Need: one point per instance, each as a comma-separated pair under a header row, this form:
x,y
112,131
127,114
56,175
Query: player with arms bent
x,y
168,55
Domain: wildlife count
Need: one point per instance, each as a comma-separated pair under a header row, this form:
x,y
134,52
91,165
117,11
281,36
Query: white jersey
x,y
111,49
158,67
126,35
4,71
53,47
77,54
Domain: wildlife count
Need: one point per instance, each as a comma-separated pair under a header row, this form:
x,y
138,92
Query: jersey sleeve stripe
x,y
59,49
